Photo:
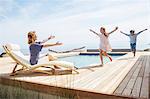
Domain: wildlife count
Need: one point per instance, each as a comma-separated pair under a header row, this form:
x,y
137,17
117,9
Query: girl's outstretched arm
x,y
124,33
141,31
113,30
52,44
94,32
51,37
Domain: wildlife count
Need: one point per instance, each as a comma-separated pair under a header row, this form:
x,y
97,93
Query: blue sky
x,y
70,21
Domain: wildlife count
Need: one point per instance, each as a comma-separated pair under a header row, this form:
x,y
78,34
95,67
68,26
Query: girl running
x,y
104,42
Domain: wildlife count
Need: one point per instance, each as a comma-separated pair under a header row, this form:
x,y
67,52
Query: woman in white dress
x,y
104,42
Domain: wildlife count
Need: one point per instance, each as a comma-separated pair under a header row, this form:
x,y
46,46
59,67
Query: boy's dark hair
x,y
132,31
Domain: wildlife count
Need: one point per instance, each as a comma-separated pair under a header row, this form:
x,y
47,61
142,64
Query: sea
x,y
26,51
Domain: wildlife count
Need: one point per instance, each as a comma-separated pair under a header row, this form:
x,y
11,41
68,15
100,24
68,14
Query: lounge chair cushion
x,y
13,47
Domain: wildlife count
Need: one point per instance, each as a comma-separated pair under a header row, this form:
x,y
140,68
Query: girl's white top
x,y
104,43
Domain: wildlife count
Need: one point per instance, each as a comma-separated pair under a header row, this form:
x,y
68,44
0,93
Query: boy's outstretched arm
x,y
141,31
51,37
94,32
113,30
124,33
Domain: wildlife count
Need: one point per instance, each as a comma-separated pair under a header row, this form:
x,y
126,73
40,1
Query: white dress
x,y
104,43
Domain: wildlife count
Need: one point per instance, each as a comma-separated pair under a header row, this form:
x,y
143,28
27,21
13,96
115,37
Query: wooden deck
x,y
126,77
136,83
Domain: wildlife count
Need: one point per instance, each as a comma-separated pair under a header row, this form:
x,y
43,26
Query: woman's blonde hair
x,y
31,37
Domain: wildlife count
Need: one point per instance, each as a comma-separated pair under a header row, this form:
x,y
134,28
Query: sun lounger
x,y
13,50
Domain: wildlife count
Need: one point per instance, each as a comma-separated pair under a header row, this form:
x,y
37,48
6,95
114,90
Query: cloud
x,y
70,20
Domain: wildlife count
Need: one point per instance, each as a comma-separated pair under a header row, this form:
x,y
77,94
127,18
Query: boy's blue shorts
x,y
133,46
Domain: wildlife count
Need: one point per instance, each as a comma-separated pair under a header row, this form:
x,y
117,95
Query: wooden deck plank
x,y
136,90
124,83
97,74
116,80
145,91
103,77
142,70
71,79
127,91
111,83
101,86
138,83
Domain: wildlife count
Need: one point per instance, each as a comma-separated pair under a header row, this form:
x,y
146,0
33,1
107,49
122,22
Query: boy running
x,y
133,37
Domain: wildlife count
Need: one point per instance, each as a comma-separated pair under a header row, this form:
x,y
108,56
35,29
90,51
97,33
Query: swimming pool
x,y
86,60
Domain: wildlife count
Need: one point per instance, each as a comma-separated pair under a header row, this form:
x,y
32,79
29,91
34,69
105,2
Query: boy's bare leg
x,y
134,52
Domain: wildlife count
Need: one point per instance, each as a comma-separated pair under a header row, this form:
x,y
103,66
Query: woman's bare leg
x,y
51,58
57,67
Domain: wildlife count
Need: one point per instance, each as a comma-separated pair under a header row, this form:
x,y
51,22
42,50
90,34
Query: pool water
x,y
87,60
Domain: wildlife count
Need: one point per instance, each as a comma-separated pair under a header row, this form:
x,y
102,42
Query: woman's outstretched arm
x,y
52,44
51,37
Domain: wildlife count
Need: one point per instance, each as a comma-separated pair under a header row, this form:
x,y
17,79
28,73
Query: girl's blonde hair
x,y
102,28
31,37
